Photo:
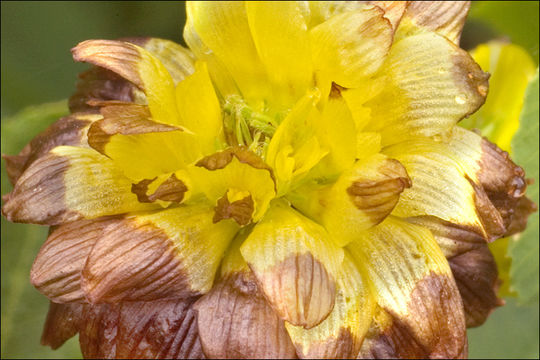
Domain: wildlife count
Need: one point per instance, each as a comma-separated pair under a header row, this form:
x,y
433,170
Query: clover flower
x,y
294,185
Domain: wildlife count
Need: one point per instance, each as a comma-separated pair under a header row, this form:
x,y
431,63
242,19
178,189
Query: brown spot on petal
x,y
376,198
171,189
235,321
476,276
335,91
314,289
470,78
524,208
62,323
239,210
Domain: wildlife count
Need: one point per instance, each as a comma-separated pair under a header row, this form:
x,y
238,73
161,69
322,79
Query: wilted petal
x,y
172,253
166,187
393,10
340,335
413,283
62,323
56,271
165,329
444,17
476,273
235,320
69,130
429,85
296,265
68,184
138,66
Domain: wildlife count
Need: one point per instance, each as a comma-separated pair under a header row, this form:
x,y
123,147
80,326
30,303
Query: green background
x,y
37,67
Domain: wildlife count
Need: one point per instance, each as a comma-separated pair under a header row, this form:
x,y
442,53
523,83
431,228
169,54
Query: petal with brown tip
x,y
296,265
172,253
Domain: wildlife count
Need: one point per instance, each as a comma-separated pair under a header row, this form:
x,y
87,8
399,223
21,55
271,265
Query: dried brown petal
x,y
62,323
172,189
239,210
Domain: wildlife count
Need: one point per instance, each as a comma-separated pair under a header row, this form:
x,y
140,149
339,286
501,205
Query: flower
x,y
295,185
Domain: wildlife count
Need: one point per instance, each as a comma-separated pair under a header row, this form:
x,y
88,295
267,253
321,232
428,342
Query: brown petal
x,y
146,330
445,17
69,130
239,210
524,208
62,323
476,276
235,321
172,253
431,330
56,271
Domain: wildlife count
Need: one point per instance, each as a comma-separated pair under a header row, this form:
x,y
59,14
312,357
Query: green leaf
x,y
524,250
23,308
517,20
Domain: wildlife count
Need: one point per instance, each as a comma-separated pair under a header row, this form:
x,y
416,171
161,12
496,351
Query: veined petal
x,y
172,253
234,319
444,17
223,28
140,67
441,188
393,10
69,130
430,85
163,329
279,31
56,271
340,335
351,46
235,176
477,279
296,265
68,184
413,283
62,323
199,109
140,147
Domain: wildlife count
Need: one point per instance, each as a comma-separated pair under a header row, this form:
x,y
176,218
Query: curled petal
x,y
413,283
297,266
69,130
445,17
167,188
393,10
475,273
164,329
56,271
138,66
341,334
62,323
68,184
172,253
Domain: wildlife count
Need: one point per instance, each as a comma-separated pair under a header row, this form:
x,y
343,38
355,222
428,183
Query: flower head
x,y
295,184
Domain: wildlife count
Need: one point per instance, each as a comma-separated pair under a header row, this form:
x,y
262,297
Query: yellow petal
x,y
351,46
430,84
223,28
68,184
412,280
137,65
511,68
340,335
165,254
199,109
281,38
296,265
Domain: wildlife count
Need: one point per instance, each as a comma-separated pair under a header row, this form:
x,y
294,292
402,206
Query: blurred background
x,y
37,68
